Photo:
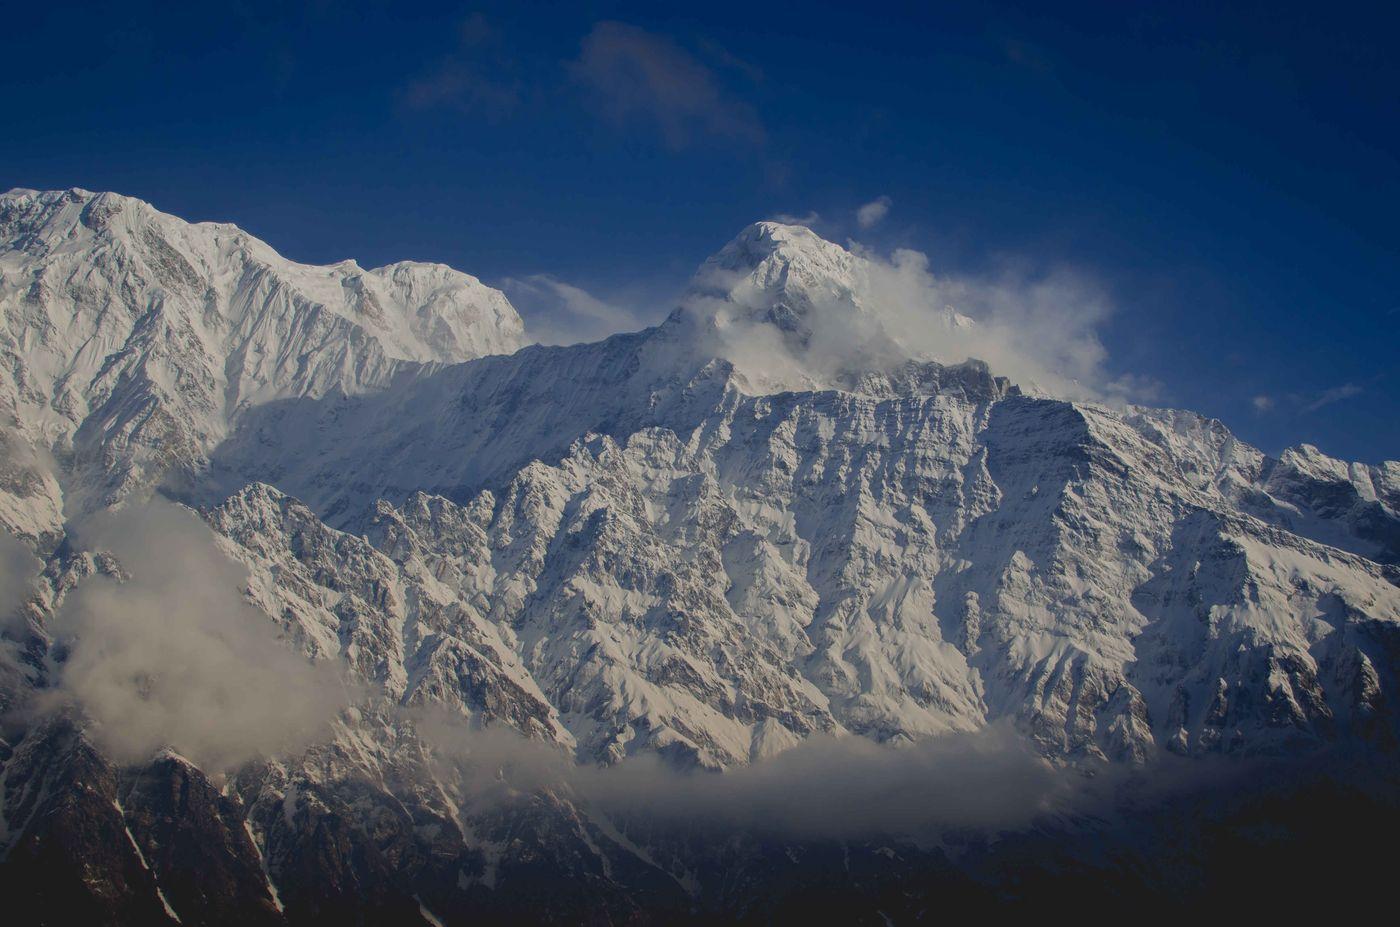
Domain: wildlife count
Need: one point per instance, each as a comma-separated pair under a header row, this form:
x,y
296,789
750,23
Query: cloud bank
x,y
18,570
824,787
172,656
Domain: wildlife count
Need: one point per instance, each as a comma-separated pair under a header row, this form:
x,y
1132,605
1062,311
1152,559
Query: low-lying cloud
x,y
170,655
18,570
850,787
824,787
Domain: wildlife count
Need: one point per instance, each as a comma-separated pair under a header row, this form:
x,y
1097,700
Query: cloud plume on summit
x,y
794,311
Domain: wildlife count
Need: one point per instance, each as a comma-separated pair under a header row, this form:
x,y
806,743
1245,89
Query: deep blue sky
x,y
1231,178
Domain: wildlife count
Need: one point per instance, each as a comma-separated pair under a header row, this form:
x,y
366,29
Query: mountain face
x,y
764,522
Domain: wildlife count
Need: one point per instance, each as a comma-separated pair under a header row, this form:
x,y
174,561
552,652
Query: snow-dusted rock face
x,y
926,550
132,340
898,567
643,547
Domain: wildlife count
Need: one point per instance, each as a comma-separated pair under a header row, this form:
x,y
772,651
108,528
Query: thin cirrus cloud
x,y
556,312
476,77
1329,396
630,77
457,85
1307,403
635,76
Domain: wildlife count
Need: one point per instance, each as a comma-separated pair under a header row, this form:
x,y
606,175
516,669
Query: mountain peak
x,y
792,310
775,243
777,273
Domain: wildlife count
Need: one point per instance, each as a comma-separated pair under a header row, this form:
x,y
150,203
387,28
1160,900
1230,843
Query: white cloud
x,y
1037,327
874,212
172,656
1263,403
820,788
19,568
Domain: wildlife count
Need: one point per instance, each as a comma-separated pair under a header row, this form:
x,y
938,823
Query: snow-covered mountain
x,y
132,340
764,519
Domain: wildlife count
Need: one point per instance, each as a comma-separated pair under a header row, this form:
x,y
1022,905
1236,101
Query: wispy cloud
x,y
874,212
1329,396
556,312
727,60
633,75
475,78
811,220
19,569
1263,403
1036,325
1026,55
